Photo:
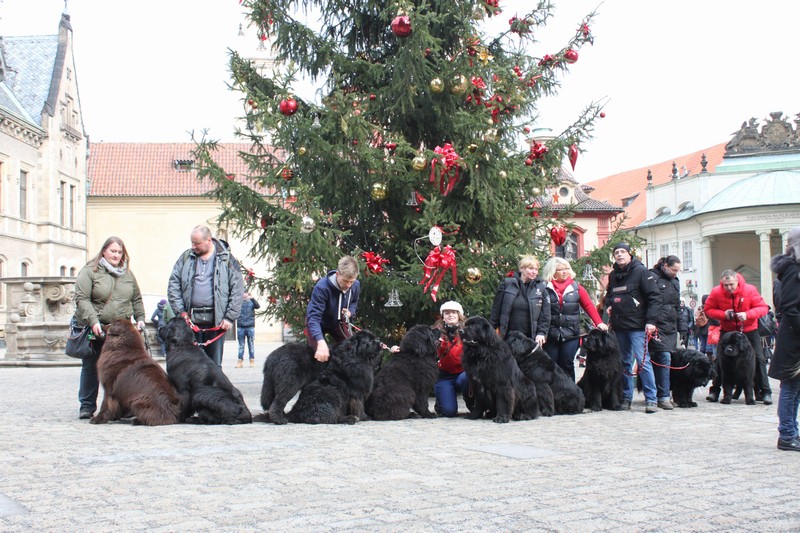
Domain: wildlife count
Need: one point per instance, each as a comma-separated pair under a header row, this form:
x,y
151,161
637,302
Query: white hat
x,y
451,306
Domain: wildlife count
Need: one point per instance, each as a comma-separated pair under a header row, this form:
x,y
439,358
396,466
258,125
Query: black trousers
x,y
760,380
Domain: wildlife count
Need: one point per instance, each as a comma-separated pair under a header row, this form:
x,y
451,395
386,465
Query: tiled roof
x,y
583,202
618,187
149,169
29,70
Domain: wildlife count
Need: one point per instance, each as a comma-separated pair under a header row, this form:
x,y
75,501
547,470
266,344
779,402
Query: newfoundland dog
x,y
133,383
287,370
737,364
406,380
499,385
602,379
558,393
337,394
690,369
203,387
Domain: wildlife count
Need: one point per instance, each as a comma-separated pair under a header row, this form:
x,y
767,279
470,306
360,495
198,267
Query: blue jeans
x,y
446,391
788,401
249,333
563,354
631,344
661,373
213,350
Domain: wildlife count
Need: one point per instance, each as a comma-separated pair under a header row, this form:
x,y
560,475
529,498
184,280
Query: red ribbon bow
x,y
438,262
374,262
449,161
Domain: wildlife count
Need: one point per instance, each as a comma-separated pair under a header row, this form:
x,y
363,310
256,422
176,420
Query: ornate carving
x,y
777,135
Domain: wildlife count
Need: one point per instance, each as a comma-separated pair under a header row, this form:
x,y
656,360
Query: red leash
x,y
634,365
197,329
350,325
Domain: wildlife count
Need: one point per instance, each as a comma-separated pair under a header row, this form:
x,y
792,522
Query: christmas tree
x,y
417,160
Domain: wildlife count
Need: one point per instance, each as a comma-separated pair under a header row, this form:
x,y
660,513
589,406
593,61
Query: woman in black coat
x,y
785,365
670,321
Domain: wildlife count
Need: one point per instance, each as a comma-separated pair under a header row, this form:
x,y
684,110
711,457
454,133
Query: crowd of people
x,y
644,308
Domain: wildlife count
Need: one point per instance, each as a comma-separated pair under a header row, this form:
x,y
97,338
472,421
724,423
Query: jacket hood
x,y
779,263
630,265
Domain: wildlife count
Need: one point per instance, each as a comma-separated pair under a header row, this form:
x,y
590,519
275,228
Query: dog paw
x,y
500,419
725,400
750,401
262,417
350,419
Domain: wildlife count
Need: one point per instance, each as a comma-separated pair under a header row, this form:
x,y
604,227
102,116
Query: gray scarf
x,y
114,271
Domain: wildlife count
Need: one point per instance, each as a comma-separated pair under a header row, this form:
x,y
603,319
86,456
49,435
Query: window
x,y
23,194
1,189
23,269
72,272
62,203
63,271
73,191
2,285
568,250
663,250
688,260
184,165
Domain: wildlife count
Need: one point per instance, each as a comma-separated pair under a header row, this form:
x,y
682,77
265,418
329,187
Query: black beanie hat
x,y
622,245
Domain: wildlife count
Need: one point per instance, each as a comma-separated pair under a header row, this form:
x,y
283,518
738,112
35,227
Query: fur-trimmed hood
x,y
779,263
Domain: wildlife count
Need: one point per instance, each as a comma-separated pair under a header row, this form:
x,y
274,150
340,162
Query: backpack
x,y
766,325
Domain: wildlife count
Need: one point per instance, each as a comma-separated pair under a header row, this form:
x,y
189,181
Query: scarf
x,y
560,287
114,271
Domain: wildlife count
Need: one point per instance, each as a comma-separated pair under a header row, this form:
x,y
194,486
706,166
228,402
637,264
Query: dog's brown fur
x,y
133,382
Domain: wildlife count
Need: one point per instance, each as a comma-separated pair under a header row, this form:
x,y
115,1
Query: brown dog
x,y
133,382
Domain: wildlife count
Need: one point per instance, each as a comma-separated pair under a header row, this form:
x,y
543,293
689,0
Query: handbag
x,y
78,342
713,335
202,315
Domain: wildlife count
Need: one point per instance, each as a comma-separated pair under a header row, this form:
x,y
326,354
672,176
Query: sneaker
x,y
767,398
85,414
626,405
712,396
665,404
239,364
789,445
650,407
252,363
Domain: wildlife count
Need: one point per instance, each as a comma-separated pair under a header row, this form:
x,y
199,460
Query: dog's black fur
x,y
406,380
204,389
288,369
602,379
737,364
338,393
498,383
558,393
698,371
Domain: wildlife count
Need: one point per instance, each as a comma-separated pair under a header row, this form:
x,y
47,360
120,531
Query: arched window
x,y
72,272
23,269
63,271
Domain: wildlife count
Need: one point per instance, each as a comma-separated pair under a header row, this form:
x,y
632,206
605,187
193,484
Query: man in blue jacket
x,y
333,301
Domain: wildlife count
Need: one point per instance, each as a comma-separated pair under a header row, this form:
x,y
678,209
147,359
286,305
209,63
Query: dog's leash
x,y
351,326
634,365
146,341
197,329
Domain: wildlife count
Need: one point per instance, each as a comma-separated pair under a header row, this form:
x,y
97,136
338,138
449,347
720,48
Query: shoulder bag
x,y
78,344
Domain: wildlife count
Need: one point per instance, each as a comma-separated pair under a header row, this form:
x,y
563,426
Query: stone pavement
x,y
713,468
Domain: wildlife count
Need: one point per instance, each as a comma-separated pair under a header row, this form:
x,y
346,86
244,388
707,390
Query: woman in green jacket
x,y
105,290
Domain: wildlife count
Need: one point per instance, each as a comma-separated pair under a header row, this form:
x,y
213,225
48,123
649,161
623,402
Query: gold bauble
x,y
419,163
490,136
536,190
503,174
379,191
472,147
459,84
474,275
437,85
301,150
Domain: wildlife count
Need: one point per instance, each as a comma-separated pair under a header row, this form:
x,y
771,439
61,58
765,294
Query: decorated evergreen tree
x,y
418,160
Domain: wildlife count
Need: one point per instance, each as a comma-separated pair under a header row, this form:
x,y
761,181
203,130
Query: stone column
x,y
707,276
765,254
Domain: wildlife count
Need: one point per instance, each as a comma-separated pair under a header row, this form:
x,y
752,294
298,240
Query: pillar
x,y
765,254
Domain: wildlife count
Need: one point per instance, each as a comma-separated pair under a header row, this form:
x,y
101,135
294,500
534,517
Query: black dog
x,y
558,393
338,393
498,383
203,387
406,380
690,369
287,370
602,380
737,364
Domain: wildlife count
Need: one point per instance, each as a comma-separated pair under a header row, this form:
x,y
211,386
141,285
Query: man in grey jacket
x,y
206,285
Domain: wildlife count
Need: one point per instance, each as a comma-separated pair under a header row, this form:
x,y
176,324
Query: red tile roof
x,y
616,188
148,169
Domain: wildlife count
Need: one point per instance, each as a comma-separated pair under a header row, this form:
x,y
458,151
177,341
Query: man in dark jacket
x,y
246,328
334,300
687,336
633,303
738,305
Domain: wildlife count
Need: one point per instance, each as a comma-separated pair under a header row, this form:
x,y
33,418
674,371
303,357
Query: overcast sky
x,y
678,76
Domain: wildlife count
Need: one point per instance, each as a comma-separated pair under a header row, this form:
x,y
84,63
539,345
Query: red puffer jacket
x,y
450,354
744,299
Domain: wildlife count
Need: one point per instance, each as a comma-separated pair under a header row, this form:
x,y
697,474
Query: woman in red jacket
x,y
452,378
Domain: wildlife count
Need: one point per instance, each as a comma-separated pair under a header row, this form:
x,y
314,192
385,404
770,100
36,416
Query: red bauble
x,y
602,114
558,234
287,173
401,26
573,155
571,56
372,97
288,106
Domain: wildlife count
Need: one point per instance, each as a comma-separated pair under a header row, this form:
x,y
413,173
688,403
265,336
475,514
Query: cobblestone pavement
x,y
714,468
